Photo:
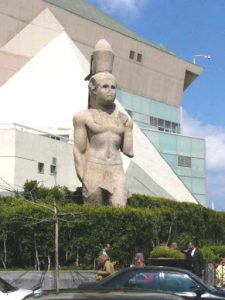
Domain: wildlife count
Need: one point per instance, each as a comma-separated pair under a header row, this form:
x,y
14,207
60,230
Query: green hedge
x,y
27,224
213,253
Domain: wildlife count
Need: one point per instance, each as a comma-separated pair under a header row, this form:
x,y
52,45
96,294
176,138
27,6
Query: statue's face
x,y
106,91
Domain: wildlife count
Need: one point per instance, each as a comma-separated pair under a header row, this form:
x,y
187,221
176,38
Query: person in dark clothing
x,y
195,259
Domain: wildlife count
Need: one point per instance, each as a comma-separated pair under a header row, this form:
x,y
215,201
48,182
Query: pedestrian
x,y
195,259
106,249
106,267
139,260
104,253
220,274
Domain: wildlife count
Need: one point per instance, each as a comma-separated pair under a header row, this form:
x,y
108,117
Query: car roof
x,y
159,268
156,268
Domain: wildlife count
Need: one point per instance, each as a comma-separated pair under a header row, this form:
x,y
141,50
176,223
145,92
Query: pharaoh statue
x,y
101,133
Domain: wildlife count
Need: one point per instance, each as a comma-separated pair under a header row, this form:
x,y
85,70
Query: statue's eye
x,y
113,87
105,86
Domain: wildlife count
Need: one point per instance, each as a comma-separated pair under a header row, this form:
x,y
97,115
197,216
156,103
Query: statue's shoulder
x,y
127,121
82,116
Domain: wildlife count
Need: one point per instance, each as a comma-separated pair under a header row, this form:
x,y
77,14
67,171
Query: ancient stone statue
x,y
100,133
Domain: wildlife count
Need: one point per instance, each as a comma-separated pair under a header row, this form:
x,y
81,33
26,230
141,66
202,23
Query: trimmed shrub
x,y
213,253
166,252
208,255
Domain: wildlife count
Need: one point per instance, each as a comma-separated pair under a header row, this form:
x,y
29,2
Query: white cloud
x,y
133,7
215,153
216,190
215,141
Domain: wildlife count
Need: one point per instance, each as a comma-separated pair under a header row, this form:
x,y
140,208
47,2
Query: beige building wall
x,y
9,65
160,75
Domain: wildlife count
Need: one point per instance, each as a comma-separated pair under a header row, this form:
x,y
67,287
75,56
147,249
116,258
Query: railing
x,y
35,131
210,275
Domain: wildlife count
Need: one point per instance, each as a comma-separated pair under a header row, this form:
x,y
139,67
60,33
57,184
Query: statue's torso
x,y
105,135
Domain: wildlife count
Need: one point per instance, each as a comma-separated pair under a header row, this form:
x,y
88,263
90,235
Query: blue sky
x,y
189,27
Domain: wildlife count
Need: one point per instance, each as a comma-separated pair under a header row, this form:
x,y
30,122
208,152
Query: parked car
x,y
9,292
179,281
108,295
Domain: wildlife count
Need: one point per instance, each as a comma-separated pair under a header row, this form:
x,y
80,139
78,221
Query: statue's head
x,y
102,87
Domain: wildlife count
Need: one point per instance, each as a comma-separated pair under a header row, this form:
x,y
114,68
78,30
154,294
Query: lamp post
x,y
200,55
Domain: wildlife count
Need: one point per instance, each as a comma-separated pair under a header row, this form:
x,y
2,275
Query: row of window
x,y
165,125
183,161
133,56
161,124
41,168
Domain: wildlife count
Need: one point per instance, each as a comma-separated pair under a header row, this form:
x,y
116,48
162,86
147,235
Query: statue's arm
x,y
80,144
127,146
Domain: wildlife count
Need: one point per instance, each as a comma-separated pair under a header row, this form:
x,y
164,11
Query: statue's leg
x,y
119,197
94,198
120,192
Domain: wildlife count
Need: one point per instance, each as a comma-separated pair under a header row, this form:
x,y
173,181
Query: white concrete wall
x,y
7,157
27,149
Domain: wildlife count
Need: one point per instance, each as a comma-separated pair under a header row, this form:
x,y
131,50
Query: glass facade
x,y
142,108
185,155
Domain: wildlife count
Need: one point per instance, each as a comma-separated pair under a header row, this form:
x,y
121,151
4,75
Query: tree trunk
x,y
3,263
37,261
5,249
49,262
77,258
169,235
67,255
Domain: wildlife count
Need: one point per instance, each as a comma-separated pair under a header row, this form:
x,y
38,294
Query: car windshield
x,y
133,279
206,285
6,287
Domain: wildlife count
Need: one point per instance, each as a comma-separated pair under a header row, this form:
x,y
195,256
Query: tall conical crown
x,y
102,58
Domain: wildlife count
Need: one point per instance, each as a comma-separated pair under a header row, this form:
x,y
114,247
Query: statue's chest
x,y
101,123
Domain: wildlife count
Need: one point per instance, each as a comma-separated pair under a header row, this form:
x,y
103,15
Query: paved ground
x,y
27,280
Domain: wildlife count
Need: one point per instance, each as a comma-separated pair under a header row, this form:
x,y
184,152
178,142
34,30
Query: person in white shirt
x,y
220,274
106,249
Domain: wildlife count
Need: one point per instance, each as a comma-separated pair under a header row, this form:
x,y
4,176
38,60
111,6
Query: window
x,y
164,125
161,124
175,127
144,280
175,282
54,161
53,166
41,168
131,54
52,169
167,126
153,121
139,57
184,161
140,279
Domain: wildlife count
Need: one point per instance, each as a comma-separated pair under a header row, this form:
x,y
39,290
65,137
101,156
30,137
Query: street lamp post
x,y
200,55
